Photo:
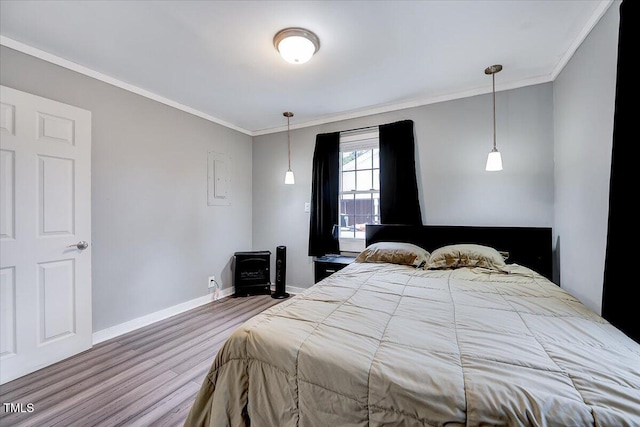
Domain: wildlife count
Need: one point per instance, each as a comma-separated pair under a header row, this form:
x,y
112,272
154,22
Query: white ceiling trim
x,y
30,50
407,104
35,52
601,9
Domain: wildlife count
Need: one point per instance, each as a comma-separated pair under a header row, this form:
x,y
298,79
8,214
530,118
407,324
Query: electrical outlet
x,y
307,207
212,281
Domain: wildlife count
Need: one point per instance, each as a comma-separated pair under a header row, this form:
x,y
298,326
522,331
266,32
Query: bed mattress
x,y
379,344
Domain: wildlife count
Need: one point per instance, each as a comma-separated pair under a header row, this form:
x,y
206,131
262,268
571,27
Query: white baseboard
x,y
132,325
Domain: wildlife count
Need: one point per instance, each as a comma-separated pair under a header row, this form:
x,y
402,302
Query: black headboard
x,y
527,246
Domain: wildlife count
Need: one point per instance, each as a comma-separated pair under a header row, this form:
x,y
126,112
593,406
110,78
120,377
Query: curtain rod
x,y
360,129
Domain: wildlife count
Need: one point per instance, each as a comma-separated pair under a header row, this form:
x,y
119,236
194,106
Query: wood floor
x,y
148,377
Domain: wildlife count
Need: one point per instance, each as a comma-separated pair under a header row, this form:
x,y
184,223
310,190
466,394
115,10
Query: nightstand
x,y
325,266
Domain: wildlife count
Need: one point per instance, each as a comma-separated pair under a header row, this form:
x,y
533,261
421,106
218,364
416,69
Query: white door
x,y
45,221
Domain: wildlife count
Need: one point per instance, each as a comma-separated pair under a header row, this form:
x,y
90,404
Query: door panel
x,y
7,312
56,298
45,191
7,194
55,198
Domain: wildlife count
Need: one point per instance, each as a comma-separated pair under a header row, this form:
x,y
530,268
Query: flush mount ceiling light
x,y
296,45
288,177
494,160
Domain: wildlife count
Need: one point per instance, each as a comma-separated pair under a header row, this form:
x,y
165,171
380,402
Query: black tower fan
x,y
281,273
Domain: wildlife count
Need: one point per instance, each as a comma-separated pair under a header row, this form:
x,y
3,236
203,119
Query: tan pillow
x,y
466,255
394,253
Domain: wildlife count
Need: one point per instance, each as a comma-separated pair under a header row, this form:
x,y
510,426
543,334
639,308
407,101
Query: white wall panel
x,y
56,202
56,299
7,312
7,194
55,129
7,118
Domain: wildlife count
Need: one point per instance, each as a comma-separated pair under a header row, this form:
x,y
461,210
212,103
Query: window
x,y
359,194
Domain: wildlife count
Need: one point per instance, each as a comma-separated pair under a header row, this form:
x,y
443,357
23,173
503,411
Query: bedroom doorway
x,y
45,232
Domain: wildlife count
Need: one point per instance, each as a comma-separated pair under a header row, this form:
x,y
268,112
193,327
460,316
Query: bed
x,y
395,344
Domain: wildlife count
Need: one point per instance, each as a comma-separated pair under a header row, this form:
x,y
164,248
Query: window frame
x,y
350,141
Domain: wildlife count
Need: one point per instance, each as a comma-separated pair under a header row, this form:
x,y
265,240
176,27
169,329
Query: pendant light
x,y
288,177
494,160
296,45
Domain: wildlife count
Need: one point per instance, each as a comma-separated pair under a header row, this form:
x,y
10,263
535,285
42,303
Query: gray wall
x,y
154,239
452,142
584,96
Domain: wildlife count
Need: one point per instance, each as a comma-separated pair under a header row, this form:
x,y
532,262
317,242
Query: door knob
x,y
81,245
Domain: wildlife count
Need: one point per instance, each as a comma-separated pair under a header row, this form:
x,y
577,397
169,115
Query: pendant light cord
x,y
289,143
494,111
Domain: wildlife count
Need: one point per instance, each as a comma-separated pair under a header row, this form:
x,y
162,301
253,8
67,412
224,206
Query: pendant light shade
x,y
296,45
494,159
288,177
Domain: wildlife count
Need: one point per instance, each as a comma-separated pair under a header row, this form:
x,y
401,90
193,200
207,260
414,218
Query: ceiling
x,y
216,58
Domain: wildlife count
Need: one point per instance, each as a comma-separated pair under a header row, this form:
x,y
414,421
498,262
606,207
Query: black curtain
x,y
324,195
398,187
618,304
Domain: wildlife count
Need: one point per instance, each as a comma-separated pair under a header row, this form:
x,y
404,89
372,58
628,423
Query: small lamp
x,y
494,160
288,177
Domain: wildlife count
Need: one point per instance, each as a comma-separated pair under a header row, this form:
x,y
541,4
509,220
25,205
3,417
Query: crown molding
x,y
417,102
45,56
595,18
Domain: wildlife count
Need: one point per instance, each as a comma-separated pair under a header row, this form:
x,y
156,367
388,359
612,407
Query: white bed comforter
x,y
390,345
